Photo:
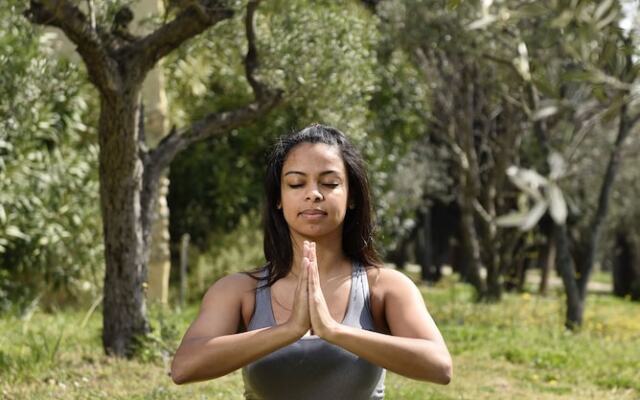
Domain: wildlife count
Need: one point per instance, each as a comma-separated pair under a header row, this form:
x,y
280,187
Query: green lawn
x,y
515,349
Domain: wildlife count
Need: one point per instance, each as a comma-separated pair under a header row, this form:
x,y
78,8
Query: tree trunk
x,y
424,250
471,249
399,255
626,265
489,241
586,267
121,171
545,260
575,304
469,178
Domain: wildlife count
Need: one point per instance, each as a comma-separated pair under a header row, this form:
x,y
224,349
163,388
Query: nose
x,y
314,194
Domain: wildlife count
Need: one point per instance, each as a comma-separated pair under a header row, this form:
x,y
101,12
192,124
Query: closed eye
x,y
331,185
296,186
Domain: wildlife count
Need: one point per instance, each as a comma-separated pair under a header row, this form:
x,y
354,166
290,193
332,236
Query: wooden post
x,y
184,261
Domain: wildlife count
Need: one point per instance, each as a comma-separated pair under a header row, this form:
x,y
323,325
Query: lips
x,y
313,212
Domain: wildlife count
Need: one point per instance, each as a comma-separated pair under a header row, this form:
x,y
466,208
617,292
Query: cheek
x,y
286,200
288,207
341,197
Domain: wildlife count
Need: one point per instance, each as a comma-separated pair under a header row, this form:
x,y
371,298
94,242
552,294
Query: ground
x,y
514,349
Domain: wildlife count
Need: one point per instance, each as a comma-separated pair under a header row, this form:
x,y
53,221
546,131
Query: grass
x,y
514,349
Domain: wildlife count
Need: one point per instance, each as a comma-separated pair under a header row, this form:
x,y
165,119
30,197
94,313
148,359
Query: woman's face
x,y
314,190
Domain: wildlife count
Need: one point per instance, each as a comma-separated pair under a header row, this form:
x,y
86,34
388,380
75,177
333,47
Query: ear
x,y
279,206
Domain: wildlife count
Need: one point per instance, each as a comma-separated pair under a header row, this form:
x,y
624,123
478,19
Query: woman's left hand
x,y
322,323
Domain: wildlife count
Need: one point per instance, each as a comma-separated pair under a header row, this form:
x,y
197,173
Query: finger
x,y
313,277
316,273
304,273
312,251
310,279
304,270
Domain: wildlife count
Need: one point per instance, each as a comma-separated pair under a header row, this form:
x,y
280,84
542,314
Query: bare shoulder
x,y
224,306
383,280
235,285
390,291
238,280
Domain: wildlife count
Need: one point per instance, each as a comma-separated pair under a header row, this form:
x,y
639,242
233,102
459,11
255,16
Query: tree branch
x,y
195,17
503,62
251,62
211,125
220,122
74,23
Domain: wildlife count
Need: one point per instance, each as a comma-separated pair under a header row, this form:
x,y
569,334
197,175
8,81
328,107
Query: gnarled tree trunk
x,y
120,200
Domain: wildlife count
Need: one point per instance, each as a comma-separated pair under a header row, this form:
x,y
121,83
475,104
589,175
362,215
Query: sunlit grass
x,y
515,349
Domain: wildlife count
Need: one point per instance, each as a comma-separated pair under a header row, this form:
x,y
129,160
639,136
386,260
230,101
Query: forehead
x,y
313,158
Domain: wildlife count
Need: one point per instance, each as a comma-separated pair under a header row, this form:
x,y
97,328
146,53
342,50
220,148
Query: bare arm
x,y
415,347
211,347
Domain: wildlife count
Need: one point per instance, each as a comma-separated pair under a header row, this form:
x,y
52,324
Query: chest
x,y
336,296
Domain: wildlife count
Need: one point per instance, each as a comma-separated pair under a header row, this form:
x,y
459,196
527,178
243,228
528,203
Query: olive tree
x,y
117,63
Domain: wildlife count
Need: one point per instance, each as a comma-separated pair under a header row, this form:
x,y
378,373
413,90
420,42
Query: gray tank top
x,y
312,368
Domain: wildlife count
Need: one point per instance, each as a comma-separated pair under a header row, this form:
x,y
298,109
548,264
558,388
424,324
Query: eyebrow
x,y
303,174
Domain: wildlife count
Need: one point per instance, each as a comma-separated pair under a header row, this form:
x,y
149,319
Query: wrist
x,y
296,330
331,332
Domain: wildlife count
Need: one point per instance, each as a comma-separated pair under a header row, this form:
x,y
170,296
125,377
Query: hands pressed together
x,y
310,311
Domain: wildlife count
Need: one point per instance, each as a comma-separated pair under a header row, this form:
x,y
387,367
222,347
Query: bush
x,y
50,241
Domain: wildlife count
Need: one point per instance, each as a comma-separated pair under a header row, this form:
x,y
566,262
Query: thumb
x,y
304,275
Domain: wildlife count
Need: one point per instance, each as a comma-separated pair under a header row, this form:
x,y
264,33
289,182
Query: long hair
x,y
358,228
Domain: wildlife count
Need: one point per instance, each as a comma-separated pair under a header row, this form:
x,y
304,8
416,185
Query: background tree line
x,y
441,96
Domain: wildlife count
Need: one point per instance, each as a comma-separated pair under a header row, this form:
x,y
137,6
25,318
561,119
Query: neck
x,y
331,259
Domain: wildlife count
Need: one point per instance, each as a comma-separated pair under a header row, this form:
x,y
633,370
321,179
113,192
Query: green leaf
x,y
563,19
611,17
453,4
482,22
531,10
514,219
15,232
557,205
557,165
545,112
579,76
527,180
602,9
534,215
5,145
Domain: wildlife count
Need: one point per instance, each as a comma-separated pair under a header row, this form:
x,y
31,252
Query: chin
x,y
317,232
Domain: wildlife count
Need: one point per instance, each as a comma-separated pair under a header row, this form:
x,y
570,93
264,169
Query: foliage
x,y
157,346
308,48
238,250
50,245
404,169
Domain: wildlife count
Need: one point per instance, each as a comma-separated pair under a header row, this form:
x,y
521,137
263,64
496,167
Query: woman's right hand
x,y
299,320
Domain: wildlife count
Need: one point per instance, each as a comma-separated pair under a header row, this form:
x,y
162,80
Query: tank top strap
x,y
262,311
359,309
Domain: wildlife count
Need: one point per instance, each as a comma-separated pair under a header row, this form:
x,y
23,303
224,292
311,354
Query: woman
x,y
322,319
